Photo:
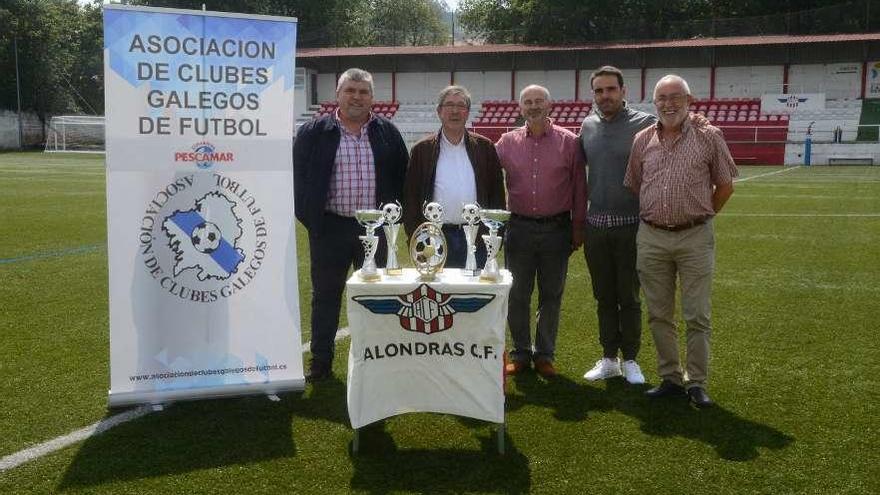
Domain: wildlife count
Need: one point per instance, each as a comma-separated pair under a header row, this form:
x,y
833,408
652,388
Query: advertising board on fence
x,y
792,102
201,240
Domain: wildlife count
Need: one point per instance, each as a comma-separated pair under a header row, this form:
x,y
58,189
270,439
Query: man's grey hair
x,y
534,86
355,75
673,78
454,90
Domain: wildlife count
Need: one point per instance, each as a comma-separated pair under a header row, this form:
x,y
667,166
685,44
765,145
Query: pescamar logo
x,y
424,310
203,237
204,154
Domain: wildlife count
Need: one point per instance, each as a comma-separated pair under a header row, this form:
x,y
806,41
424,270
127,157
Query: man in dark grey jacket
x,y
612,223
343,162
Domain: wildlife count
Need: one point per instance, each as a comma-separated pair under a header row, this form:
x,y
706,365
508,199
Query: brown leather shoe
x,y
545,368
515,367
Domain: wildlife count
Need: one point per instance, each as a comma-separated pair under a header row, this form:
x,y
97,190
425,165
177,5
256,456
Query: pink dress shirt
x,y
545,175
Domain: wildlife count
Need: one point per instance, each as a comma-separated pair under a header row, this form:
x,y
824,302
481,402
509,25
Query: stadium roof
x,y
316,53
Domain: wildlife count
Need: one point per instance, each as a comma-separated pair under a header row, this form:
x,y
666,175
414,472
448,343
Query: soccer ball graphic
x,y
470,214
433,212
429,248
206,237
391,212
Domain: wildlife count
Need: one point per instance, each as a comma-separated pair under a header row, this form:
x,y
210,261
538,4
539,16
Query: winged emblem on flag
x,y
424,310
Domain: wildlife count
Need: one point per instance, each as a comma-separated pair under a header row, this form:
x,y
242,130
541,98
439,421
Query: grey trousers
x,y
611,258
541,250
688,255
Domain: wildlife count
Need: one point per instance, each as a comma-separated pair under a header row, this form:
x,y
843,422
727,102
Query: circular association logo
x,y
203,237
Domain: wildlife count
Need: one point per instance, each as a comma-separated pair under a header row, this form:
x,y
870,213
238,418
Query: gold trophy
x,y
427,246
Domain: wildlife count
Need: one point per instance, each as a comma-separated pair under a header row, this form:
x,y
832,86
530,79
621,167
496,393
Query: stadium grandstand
x,y
769,94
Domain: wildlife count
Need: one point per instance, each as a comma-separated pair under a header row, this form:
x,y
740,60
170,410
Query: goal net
x,y
75,133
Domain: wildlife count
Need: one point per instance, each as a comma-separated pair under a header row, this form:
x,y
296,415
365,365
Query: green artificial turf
x,y
794,371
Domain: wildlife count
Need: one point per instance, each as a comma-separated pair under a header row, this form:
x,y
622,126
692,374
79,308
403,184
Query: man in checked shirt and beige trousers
x,y
683,174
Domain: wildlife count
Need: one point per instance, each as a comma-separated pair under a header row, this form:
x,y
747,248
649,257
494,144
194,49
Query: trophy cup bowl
x,y
392,213
493,219
470,213
370,219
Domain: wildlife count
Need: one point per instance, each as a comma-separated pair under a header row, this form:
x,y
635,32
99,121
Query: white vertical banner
x,y
201,241
872,80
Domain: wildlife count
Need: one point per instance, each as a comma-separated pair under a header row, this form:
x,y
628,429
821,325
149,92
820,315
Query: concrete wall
x,y
420,87
31,126
697,78
485,85
748,82
821,154
835,80
326,87
560,83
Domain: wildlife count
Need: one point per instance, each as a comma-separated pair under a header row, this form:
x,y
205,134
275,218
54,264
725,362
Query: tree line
x,y
58,43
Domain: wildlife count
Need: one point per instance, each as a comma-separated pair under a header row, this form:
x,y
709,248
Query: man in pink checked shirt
x,y
547,196
683,173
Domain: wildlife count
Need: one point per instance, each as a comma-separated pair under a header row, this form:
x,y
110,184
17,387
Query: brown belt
x,y
677,228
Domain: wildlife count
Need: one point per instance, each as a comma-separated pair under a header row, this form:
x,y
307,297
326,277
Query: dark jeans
x,y
456,247
535,249
332,253
611,258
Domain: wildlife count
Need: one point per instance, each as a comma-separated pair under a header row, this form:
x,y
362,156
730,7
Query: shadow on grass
x,y
380,467
190,436
733,437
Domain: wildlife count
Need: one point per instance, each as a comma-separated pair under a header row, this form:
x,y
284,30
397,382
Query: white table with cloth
x,y
426,347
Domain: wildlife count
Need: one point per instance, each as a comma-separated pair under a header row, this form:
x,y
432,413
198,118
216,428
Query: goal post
x,y
75,134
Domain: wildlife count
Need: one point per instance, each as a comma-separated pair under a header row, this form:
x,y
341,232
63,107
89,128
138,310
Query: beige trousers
x,y
689,257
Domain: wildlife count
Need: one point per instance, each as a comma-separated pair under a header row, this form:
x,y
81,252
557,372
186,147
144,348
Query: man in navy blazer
x,y
342,162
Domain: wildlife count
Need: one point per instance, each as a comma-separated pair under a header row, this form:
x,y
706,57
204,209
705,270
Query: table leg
x,y
356,441
501,438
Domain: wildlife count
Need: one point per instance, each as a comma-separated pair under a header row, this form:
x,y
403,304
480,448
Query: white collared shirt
x,y
454,181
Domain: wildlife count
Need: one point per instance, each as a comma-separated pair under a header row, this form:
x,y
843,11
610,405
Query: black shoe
x,y
666,389
318,371
699,397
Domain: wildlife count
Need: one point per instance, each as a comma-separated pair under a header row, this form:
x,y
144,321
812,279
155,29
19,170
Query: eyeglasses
x,y
674,99
455,106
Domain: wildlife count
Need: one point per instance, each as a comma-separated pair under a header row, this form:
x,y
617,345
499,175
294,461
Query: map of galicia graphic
x,y
205,238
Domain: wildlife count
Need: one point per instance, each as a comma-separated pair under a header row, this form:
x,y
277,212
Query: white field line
x,y
768,174
17,459
803,215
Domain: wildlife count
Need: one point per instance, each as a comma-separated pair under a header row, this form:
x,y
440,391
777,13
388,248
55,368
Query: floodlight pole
x,y
18,94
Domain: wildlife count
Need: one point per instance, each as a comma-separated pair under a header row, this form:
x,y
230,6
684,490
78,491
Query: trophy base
x,y
471,273
393,272
490,278
369,277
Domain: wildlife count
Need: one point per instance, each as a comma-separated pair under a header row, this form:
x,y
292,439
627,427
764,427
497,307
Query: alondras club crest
x,y
424,310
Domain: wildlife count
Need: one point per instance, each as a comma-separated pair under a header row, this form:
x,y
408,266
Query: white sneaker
x,y
605,368
633,373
